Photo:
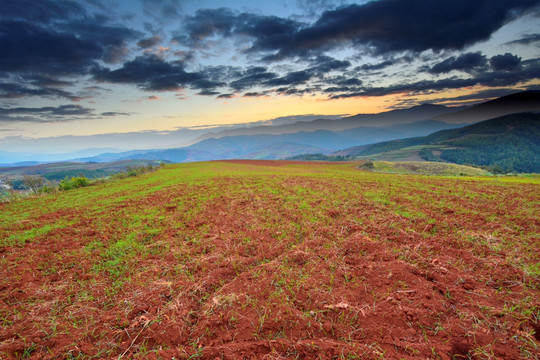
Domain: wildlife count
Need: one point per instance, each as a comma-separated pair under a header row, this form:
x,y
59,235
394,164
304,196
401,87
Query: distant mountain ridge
x,y
525,101
267,146
392,117
327,135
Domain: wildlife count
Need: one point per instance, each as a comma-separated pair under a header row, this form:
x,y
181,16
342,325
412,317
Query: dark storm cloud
x,y
111,39
467,62
63,48
385,26
267,32
42,11
407,25
52,39
150,72
325,64
506,62
36,49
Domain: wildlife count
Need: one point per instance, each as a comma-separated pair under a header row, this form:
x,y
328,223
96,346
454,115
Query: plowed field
x,y
270,260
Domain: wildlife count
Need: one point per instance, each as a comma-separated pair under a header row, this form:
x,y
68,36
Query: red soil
x,y
361,280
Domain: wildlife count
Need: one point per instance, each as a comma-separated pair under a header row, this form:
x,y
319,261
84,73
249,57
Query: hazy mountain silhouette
x,y
506,143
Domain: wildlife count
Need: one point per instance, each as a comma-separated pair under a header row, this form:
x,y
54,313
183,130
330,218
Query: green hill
x,y
509,143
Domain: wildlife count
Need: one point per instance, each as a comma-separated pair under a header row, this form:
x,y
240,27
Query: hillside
x,y
509,143
273,259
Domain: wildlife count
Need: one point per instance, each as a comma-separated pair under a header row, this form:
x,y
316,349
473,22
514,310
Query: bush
x,y
33,182
73,183
368,165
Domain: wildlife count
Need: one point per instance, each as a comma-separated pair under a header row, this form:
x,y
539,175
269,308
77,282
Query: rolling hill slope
x,y
509,143
273,259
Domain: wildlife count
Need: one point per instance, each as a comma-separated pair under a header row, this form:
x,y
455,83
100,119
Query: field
x,y
274,259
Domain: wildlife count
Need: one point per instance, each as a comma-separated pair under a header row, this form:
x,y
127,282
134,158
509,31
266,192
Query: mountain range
x,y
330,136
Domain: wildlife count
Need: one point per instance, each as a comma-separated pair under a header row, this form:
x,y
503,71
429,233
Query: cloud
x,y
390,26
254,94
42,11
253,77
44,114
149,42
149,72
379,66
15,90
525,40
322,65
292,78
162,10
114,113
50,40
312,8
467,62
506,62
267,32
530,71
39,50
60,113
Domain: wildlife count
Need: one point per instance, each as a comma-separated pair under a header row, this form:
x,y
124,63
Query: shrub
x,y
73,183
368,165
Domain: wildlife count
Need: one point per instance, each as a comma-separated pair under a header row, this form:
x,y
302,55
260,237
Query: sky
x,y
144,73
